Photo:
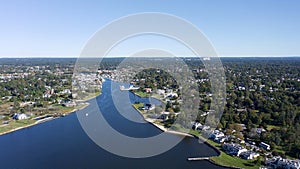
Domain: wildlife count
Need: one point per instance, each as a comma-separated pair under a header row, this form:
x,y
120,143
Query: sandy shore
x,y
161,127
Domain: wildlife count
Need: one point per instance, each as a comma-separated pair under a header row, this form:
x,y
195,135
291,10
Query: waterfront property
x,y
278,162
20,116
216,134
249,155
233,149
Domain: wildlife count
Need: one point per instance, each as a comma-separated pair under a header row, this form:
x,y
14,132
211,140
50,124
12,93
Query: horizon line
x,y
76,57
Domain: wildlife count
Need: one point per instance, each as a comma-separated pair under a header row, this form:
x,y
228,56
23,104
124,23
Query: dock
x,y
197,158
122,88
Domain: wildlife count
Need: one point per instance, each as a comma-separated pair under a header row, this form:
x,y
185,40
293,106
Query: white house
x,y
278,162
196,125
19,116
265,146
233,149
249,155
216,134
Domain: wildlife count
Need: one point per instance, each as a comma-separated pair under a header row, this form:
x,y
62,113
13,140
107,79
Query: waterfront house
x,y
68,103
221,139
203,127
148,106
164,116
233,149
249,155
216,134
196,125
278,162
18,116
148,90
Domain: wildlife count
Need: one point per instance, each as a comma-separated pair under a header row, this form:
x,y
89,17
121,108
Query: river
x,y
62,143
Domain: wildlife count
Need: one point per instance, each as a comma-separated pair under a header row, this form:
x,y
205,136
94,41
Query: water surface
x,y
62,143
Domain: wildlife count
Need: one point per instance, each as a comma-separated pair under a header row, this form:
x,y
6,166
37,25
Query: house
x,y
47,95
171,95
265,146
241,88
233,149
203,127
18,116
147,106
68,103
241,141
260,130
74,95
196,125
216,134
221,139
278,162
66,91
164,116
249,155
148,90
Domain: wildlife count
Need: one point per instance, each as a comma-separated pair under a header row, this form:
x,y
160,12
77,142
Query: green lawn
x,y
15,124
138,105
227,160
141,94
89,96
230,161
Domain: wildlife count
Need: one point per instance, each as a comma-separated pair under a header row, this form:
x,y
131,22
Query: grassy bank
x,y
141,93
14,125
223,159
231,161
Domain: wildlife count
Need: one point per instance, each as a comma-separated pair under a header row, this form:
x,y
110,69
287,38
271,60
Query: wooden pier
x,y
197,158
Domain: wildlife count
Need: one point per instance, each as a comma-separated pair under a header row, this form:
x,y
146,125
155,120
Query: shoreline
x,y
150,121
163,129
199,137
43,120
153,97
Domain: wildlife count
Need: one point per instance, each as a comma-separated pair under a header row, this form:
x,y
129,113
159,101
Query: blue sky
x,y
235,27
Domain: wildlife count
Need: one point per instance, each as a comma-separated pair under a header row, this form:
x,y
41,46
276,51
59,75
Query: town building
x,y
233,149
20,116
249,155
265,146
216,134
278,162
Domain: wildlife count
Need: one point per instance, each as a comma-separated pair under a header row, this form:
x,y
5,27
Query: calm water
x,y
62,143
